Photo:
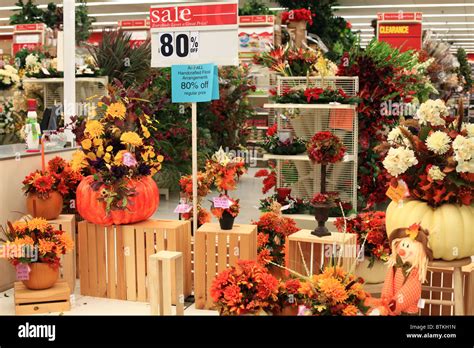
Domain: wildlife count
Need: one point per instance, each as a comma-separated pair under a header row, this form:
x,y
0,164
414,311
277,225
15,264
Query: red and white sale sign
x,y
400,29
194,34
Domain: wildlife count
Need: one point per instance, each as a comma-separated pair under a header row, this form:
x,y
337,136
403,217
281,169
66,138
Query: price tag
x,y
221,202
45,71
398,193
22,271
183,208
178,45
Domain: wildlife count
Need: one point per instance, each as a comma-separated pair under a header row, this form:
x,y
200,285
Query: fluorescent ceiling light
x,y
463,39
6,27
104,23
277,8
424,15
401,6
424,23
6,33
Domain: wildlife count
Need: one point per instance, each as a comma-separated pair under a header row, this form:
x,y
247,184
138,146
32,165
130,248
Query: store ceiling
x,y
451,20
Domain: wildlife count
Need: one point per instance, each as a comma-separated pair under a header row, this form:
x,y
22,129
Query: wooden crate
x,y
67,223
214,251
114,260
55,299
442,281
318,252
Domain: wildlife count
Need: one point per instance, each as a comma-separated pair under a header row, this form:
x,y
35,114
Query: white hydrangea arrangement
x,y
8,77
432,113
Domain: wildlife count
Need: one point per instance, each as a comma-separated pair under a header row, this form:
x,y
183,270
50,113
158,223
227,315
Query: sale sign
x,y
194,34
401,30
138,29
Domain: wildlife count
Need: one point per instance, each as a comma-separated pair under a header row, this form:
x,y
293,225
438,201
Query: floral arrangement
x,y
270,178
186,186
117,147
297,15
8,76
333,292
234,208
36,234
289,61
434,155
325,147
273,144
326,198
11,122
272,229
67,181
385,74
292,205
225,170
370,230
316,95
42,183
247,288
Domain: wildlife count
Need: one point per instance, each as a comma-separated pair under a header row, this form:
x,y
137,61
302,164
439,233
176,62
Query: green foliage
x,y
83,22
53,16
119,60
28,13
255,7
334,31
464,68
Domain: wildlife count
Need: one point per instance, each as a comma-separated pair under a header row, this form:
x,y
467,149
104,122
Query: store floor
x,y
248,190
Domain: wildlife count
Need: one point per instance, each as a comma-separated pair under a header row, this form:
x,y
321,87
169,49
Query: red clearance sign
x,y
400,30
193,16
256,19
138,23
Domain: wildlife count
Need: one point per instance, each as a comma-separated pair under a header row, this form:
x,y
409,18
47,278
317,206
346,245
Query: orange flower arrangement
x,y
36,236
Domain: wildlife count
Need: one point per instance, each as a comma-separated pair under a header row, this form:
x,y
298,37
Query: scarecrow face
x,y
407,250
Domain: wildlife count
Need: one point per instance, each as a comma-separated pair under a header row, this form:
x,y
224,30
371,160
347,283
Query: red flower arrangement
x,y
272,231
247,288
326,198
186,186
325,148
368,226
270,179
314,95
233,210
298,15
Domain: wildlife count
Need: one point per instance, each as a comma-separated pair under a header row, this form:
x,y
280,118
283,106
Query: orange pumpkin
x,y
140,207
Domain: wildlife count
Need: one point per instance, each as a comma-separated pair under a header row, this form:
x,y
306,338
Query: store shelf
x,y
258,96
304,157
310,106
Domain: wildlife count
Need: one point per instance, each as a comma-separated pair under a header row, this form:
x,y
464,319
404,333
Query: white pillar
x,y
69,59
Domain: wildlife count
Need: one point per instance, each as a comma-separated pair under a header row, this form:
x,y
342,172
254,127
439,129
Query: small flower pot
x,y
42,276
49,208
226,221
321,214
283,193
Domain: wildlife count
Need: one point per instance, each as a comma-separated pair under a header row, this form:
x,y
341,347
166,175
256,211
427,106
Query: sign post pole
x,y
195,165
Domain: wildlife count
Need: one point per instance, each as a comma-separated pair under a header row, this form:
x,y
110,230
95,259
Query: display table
x,y
114,260
214,251
310,253
55,299
67,223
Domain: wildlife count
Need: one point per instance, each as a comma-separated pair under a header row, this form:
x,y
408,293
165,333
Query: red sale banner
x,y
193,16
400,30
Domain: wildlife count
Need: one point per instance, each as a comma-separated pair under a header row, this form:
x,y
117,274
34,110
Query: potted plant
x,y
431,159
245,289
324,148
38,246
119,150
186,189
43,196
370,230
272,230
224,172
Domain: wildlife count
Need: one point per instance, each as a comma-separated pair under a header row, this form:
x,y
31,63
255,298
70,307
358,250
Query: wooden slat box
x,y
114,260
442,279
318,252
55,299
214,251
67,223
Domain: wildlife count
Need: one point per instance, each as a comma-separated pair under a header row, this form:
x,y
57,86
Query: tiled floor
x,y
249,192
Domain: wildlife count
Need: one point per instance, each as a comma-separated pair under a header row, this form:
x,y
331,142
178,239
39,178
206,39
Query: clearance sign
x,y
402,29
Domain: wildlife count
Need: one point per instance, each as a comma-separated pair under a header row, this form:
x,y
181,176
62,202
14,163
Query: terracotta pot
x,y
375,274
42,276
227,221
49,208
289,311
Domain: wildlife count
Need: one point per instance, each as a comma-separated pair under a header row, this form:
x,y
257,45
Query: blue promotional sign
x,y
194,83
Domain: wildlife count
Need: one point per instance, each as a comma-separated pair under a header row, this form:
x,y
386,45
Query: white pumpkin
x,y
451,226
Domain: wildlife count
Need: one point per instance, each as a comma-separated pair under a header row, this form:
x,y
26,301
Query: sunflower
x,y
39,224
131,138
94,128
117,110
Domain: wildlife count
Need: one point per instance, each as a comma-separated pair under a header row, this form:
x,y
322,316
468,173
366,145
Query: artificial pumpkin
x,y
139,208
451,226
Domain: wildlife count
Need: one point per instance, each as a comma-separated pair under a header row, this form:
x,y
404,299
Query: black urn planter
x,y
321,214
226,221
